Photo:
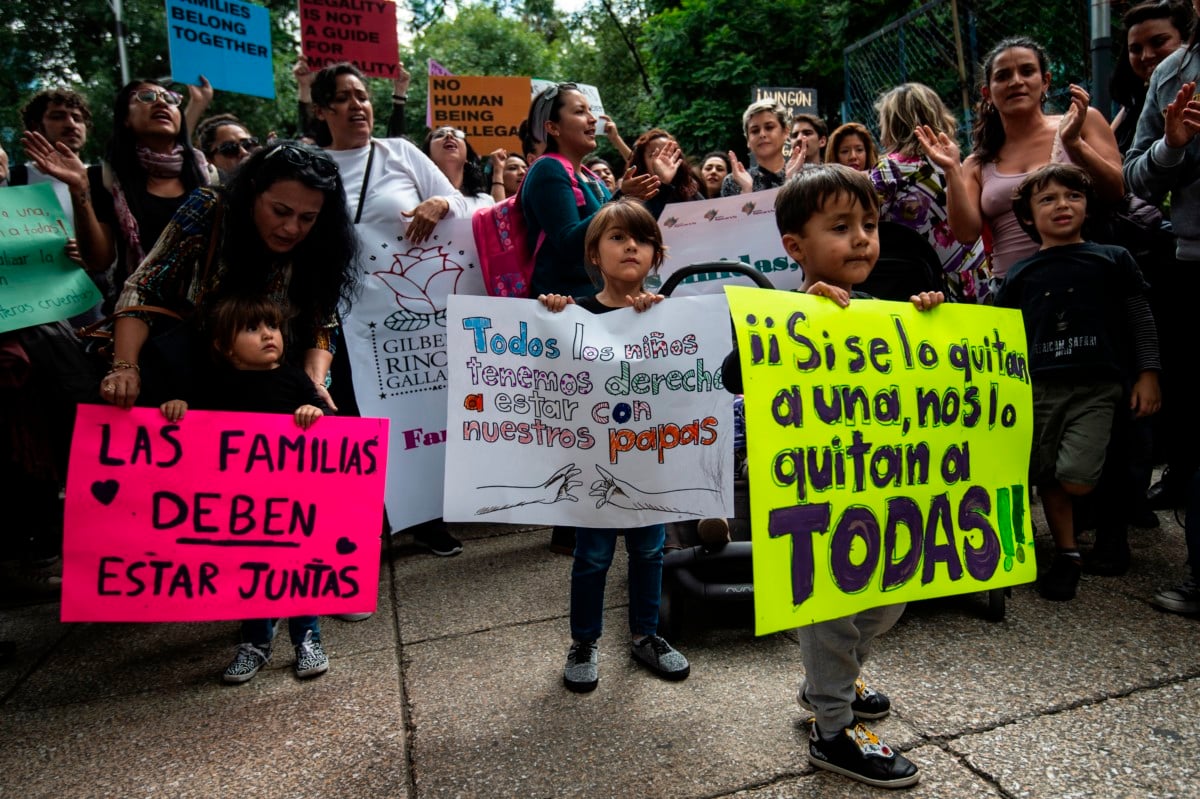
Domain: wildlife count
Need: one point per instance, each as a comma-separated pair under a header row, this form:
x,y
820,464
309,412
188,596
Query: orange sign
x,y
487,109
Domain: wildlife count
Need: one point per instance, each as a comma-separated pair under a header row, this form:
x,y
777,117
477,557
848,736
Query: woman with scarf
x,y
150,169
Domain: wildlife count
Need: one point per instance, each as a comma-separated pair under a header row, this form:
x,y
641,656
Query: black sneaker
x,y
858,753
868,704
435,538
1184,598
1109,557
1166,493
1143,518
661,658
311,660
247,662
582,671
1059,583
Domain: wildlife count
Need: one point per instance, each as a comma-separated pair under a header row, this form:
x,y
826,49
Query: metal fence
x,y
942,43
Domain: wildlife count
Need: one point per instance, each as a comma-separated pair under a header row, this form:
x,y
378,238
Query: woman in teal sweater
x,y
558,216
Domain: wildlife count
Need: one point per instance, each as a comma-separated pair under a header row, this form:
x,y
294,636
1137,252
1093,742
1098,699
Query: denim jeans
x,y
594,549
261,631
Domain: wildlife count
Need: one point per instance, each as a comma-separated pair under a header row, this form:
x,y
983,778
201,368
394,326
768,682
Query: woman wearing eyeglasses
x,y
281,197
150,169
225,142
450,151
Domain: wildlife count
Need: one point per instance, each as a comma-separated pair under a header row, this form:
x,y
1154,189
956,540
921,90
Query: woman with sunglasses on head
x,y
450,151
561,120
225,142
280,229
149,171
559,205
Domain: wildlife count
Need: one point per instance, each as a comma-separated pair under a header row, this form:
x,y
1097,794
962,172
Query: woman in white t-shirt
x,y
388,181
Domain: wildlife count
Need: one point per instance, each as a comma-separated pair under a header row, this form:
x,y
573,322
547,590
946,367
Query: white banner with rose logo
x,y
395,335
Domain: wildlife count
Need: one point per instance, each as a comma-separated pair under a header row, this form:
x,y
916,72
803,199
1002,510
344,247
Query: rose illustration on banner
x,y
421,279
748,208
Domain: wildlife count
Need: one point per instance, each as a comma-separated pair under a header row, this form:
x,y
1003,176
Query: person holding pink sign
x,y
245,236
248,342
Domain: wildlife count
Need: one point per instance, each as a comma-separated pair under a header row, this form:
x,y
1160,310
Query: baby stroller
x,y
700,568
693,571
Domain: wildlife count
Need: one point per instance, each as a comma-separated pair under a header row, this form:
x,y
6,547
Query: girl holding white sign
x,y
622,245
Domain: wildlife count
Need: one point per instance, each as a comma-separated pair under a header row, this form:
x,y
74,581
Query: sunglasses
x,y
299,156
150,96
230,149
442,133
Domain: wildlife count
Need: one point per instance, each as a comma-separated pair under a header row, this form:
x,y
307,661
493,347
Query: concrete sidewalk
x,y
453,689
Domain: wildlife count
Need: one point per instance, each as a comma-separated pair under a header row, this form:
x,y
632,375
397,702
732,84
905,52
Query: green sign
x,y
38,282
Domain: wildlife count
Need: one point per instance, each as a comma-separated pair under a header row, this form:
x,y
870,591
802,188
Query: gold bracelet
x,y
119,363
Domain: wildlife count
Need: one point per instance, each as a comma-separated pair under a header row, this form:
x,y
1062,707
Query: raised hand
x,y
741,175
56,160
796,162
666,163
639,187
1181,117
939,148
1070,127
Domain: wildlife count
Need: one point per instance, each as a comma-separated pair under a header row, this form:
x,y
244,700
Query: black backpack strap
x,y
18,175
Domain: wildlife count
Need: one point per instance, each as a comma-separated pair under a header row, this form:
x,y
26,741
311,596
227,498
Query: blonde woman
x,y
912,190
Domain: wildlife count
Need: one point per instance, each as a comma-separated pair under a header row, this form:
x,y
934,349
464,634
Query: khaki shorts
x,y
1072,423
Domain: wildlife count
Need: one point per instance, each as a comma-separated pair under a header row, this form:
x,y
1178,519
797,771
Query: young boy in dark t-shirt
x,y
1087,322
251,376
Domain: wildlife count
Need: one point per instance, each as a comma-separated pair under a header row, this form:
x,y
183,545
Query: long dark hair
x,y
699,171
987,135
473,181
323,268
122,152
1126,87
684,184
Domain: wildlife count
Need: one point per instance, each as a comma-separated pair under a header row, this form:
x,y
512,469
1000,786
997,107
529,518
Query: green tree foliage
x,y
478,41
599,54
707,55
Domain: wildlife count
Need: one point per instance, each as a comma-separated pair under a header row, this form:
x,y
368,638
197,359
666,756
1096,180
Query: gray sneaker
x,y
582,671
246,663
311,659
661,658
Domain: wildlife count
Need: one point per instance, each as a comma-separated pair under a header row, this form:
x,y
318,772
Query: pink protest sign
x,y
362,32
221,516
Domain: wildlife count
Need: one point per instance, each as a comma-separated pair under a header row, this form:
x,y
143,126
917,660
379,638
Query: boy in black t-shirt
x,y
1087,321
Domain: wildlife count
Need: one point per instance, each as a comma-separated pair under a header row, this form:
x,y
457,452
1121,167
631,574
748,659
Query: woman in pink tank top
x,y
1012,137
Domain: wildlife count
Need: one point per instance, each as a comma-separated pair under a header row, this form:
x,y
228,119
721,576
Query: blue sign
x,y
226,41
